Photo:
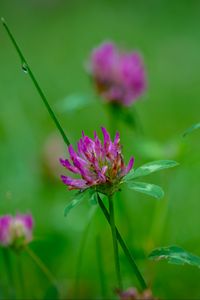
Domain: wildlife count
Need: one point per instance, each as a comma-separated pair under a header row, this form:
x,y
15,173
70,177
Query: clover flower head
x,y
100,165
119,77
133,294
16,231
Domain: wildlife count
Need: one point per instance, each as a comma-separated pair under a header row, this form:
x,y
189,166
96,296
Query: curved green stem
x,y
124,247
42,266
27,69
115,244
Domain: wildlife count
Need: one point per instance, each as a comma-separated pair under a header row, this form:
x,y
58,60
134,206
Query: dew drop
x,y
3,20
24,67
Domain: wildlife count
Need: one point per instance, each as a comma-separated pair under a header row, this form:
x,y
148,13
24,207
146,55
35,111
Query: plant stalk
x,y
123,246
27,69
115,244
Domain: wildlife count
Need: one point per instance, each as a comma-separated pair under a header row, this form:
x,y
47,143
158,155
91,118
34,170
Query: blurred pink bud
x,y
133,294
119,77
16,231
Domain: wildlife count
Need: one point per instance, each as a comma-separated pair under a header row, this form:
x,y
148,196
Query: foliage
x,y
175,255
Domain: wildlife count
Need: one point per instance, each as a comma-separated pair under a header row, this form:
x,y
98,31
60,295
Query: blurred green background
x,y
56,37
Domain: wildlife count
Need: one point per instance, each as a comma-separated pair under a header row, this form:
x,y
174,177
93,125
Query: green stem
x,y
9,271
123,246
41,265
27,69
100,266
115,244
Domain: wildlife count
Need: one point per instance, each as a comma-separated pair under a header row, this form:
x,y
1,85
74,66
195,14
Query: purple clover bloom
x,y
129,294
16,231
133,294
119,77
100,165
5,223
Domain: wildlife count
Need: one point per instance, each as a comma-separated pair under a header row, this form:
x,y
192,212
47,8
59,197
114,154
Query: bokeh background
x,y
56,37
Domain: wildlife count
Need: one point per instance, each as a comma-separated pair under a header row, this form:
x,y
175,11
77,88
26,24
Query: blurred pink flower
x,y
133,294
16,231
119,77
100,165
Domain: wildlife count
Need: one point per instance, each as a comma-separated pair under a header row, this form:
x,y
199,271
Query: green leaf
x,y
175,255
149,168
191,129
75,102
146,188
78,198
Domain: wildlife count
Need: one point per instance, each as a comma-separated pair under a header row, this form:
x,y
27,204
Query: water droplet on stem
x,y
24,67
3,20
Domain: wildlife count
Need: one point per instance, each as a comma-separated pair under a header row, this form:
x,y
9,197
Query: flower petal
x,y
129,166
27,220
107,140
73,183
72,152
5,222
117,139
65,163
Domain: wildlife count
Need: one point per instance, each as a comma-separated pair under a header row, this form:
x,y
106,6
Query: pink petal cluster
x,y
133,294
100,165
119,77
15,231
